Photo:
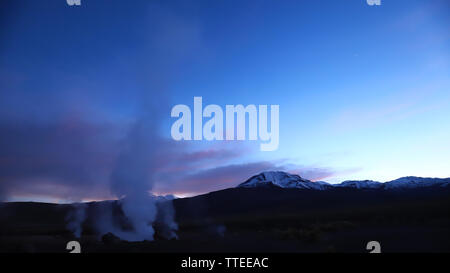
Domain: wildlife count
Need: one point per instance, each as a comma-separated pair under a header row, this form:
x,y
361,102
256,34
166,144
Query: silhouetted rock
x,y
109,239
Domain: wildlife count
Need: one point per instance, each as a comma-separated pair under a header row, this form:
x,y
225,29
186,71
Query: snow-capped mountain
x,y
416,182
361,184
286,180
283,180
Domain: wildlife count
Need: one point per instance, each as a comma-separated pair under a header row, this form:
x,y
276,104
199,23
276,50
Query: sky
x,y
363,91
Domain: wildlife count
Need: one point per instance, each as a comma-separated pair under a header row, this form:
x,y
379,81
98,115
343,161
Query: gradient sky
x,y
364,91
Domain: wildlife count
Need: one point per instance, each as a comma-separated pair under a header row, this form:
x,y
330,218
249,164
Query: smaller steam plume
x,y
165,218
75,218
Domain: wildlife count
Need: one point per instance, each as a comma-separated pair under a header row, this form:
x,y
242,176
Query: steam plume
x,y
75,218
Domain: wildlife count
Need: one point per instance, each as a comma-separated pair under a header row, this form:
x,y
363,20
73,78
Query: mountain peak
x,y
361,184
283,180
417,182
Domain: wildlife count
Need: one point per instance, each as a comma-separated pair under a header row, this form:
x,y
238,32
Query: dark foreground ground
x,y
258,220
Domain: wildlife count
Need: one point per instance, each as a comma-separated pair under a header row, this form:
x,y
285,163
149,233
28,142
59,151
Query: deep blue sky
x,y
364,91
